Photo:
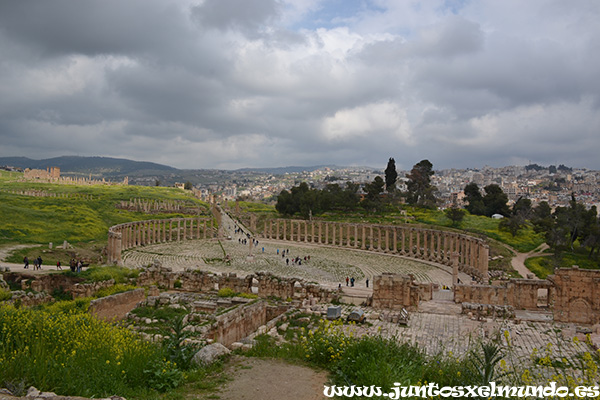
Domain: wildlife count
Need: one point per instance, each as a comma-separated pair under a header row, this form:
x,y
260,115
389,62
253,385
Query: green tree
x,y
420,190
521,212
475,199
187,185
391,175
495,201
455,214
373,190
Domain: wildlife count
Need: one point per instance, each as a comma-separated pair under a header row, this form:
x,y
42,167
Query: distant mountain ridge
x,y
95,165
143,172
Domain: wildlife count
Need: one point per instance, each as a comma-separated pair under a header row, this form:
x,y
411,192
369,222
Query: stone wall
x,y
238,323
394,292
51,282
522,294
571,293
117,305
443,247
263,284
576,297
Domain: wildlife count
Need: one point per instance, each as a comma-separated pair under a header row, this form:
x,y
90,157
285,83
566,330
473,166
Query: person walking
x,y
26,262
58,266
367,282
347,280
39,259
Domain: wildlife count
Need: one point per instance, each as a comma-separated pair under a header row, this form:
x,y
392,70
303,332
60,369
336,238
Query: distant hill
x,y
104,166
147,173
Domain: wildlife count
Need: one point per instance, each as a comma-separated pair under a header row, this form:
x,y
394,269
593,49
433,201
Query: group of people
x,y
350,282
37,262
76,265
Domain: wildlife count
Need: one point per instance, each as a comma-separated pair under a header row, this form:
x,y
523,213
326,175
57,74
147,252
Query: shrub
x,y
74,354
5,295
118,288
226,292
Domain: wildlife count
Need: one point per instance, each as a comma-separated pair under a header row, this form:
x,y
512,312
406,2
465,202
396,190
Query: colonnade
x,y
424,244
132,234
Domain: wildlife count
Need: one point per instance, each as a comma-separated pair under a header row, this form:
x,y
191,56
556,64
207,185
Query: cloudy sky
x,y
258,83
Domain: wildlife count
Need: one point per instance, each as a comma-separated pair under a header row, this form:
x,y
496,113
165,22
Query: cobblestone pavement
x,y
438,326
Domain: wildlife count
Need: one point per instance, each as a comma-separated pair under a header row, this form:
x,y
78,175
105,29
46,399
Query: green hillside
x,y
77,214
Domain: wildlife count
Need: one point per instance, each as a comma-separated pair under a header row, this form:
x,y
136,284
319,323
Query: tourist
x,y
352,282
367,282
79,265
39,260
58,266
347,280
287,261
26,262
277,251
72,264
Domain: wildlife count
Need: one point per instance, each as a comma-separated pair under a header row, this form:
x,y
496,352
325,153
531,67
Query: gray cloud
x,y
229,84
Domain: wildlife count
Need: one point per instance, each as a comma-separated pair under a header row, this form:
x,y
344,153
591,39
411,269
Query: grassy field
x,y
79,214
544,266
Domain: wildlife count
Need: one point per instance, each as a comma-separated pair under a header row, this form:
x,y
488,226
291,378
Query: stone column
x,y
410,242
320,232
312,231
387,239
205,232
355,236
425,247
419,233
432,245
364,237
379,239
454,259
371,237
178,230
333,234
403,240
305,231
326,232
284,230
143,229
395,239
483,264
277,229
439,246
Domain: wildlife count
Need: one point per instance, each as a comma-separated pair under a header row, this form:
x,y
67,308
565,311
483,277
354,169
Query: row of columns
x,y
425,244
126,236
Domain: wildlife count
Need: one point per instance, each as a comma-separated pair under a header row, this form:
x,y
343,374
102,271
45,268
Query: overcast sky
x,y
262,83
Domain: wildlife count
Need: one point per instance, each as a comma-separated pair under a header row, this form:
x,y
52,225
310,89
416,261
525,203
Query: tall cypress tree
x,y
391,175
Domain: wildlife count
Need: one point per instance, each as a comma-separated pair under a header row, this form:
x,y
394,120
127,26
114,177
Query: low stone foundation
x,y
117,305
262,284
237,324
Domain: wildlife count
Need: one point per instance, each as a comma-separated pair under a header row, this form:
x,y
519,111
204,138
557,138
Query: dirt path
x,y
268,379
5,251
518,261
